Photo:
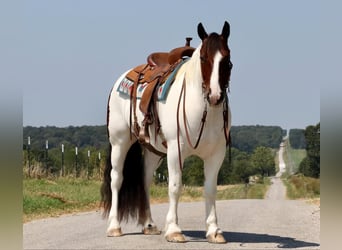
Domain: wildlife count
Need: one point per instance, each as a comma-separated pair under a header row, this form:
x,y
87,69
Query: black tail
x,y
132,194
106,191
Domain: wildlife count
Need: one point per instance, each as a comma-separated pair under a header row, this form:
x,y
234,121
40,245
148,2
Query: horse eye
x,y
202,59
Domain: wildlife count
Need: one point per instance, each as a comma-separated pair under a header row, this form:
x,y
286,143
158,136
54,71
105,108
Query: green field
x,y
45,198
297,185
293,157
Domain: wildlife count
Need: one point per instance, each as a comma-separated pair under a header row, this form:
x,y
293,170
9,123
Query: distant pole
x,y
46,157
76,162
88,164
28,155
63,160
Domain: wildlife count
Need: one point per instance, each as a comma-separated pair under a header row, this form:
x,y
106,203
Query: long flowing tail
x,y
132,195
106,191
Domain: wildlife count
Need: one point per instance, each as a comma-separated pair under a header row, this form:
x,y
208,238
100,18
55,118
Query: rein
x,y
204,116
203,120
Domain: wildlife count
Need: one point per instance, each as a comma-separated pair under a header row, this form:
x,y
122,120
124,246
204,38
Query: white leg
x,y
118,155
211,168
173,232
151,163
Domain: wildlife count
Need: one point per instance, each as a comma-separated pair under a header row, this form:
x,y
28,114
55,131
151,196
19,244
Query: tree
x,y
193,173
263,160
236,171
297,138
247,138
310,166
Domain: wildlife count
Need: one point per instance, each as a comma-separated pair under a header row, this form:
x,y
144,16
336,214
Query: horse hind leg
x,y
113,178
132,195
151,163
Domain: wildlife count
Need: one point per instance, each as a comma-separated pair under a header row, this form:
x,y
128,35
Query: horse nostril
x,y
213,99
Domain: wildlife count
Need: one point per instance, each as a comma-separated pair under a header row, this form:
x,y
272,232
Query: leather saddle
x,y
157,69
155,72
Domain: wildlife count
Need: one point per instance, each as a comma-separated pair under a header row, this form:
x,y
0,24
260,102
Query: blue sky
x,y
73,51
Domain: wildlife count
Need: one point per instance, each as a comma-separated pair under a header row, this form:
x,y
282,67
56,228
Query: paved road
x,y
278,190
272,223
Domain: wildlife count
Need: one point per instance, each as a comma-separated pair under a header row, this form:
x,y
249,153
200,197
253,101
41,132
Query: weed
x,y
44,198
299,186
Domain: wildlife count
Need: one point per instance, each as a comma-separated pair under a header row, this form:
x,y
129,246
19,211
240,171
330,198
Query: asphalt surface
x,y
271,223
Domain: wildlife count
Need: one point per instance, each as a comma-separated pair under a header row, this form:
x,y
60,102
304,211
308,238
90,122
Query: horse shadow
x,y
245,238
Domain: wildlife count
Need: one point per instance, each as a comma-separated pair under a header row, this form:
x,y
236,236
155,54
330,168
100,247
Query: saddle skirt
x,y
150,80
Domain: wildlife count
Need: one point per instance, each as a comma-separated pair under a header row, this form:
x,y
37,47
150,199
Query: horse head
x,y
215,63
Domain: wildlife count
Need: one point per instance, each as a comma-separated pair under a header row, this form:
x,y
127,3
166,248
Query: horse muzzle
x,y
215,100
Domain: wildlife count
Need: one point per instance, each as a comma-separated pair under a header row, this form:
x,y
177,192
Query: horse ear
x,y
226,30
201,31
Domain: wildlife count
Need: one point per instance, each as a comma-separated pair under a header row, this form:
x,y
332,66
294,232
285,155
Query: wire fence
x,y
64,161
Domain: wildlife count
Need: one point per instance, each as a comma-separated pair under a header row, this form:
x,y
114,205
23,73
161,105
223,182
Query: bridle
x,y
206,87
224,77
203,120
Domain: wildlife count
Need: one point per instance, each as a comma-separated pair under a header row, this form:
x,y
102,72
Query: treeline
x,y
84,136
308,139
259,163
310,165
297,138
253,153
244,138
247,138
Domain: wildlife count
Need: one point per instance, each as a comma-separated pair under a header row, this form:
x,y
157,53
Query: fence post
x,y
99,157
28,155
76,168
62,168
88,167
46,157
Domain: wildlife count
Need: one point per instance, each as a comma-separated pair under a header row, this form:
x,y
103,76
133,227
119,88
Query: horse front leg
x,y
211,168
151,163
173,232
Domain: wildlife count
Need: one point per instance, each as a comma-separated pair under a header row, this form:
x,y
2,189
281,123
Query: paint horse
x,y
196,109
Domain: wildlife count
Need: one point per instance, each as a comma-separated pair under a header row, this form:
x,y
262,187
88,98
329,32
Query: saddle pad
x,y
126,85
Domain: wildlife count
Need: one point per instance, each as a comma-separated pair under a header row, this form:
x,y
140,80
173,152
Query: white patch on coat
x,y
215,89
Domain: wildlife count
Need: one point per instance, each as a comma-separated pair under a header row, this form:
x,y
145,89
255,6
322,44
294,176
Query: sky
x,y
73,51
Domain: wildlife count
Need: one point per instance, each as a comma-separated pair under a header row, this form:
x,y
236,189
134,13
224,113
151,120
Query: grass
x,y
299,186
50,198
302,187
44,198
293,157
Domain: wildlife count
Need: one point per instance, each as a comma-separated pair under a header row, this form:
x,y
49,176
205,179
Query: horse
x,y
196,109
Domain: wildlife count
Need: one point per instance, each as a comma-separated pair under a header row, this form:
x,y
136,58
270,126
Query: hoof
x,y
216,238
114,232
175,238
153,230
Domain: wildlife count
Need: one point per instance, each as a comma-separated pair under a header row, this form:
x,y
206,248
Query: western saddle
x,y
154,73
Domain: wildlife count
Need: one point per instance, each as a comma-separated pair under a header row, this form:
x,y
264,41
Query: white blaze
x,y
215,90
